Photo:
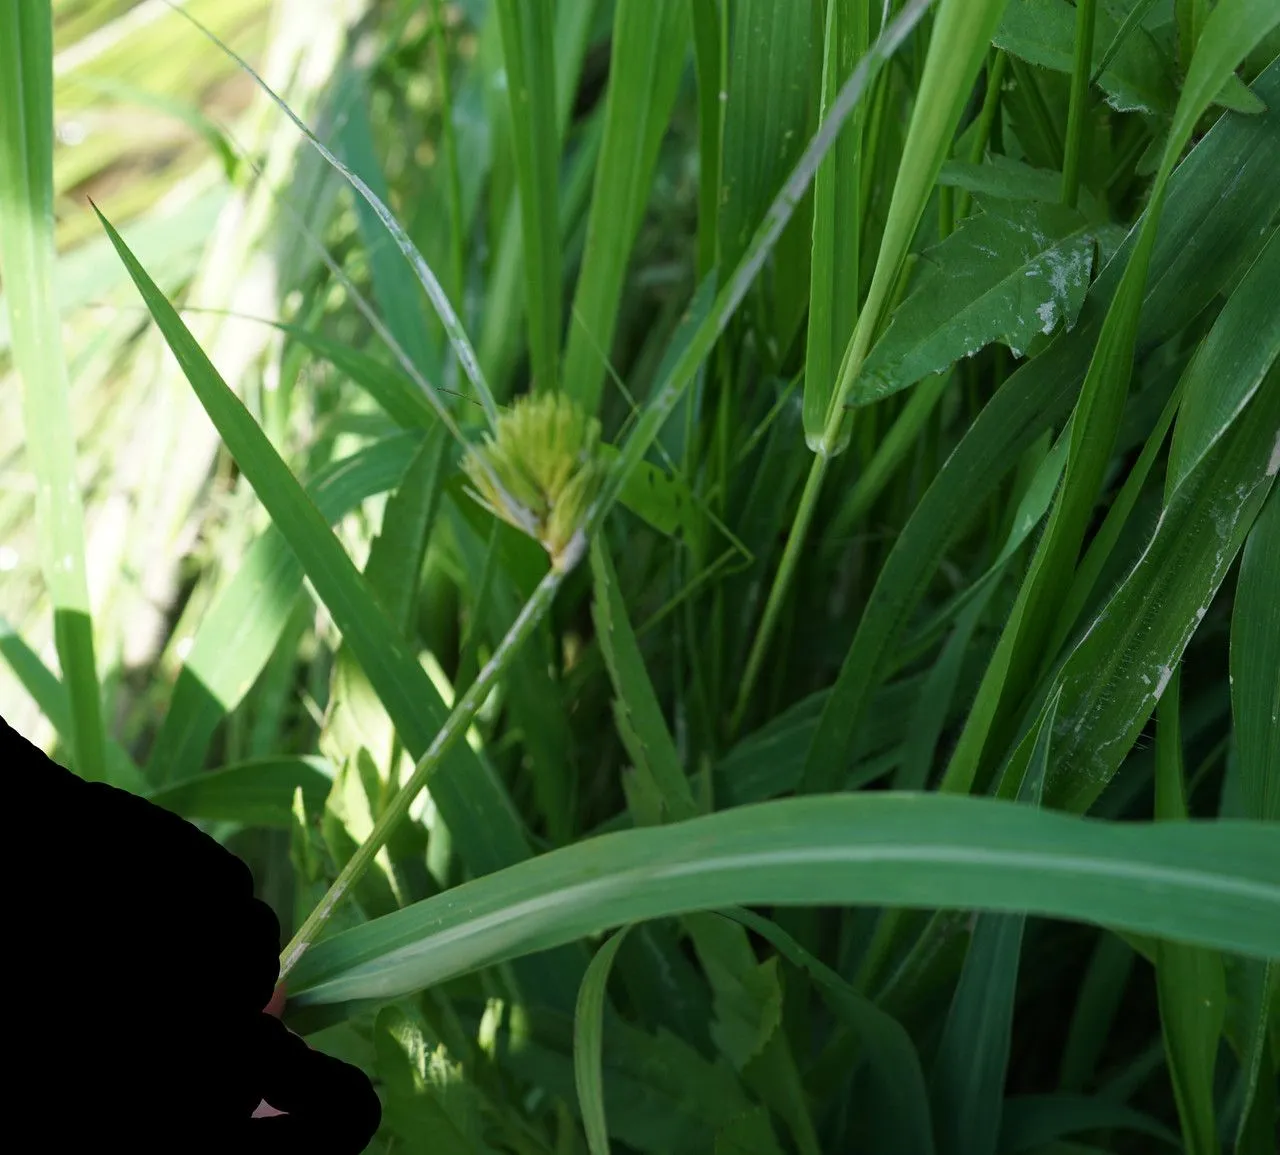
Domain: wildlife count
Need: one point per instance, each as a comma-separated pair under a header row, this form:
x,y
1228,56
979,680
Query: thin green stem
x,y
460,718
781,585
449,145
887,455
1077,117
1136,15
986,119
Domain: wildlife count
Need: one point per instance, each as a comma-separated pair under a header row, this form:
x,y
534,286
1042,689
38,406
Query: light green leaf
x,y
50,695
248,615
429,1102
588,1033
1211,885
27,261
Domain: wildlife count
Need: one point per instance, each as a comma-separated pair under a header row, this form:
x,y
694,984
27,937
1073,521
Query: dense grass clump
x,y
717,557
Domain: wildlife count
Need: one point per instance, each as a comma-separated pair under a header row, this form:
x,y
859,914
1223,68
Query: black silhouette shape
x,y
144,963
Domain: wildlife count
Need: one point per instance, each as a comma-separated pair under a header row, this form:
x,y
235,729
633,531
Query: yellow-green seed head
x,y
539,470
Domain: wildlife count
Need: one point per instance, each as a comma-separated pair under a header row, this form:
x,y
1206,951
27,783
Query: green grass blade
x,y
55,704
1077,116
705,18
531,87
1121,666
356,722
1229,366
500,325
1255,663
1139,636
1209,884
899,1101
646,62
27,258
588,1044
1099,1001
430,283
457,218
972,1062
837,222
1235,160
486,828
711,308
394,286
957,48
1034,1122
247,617
1131,21
255,793
766,114
1255,703
1108,535
637,711
1258,1103
1097,415
1189,979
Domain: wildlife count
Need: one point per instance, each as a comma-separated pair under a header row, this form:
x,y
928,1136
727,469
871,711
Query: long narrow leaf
x,y
27,261
1213,884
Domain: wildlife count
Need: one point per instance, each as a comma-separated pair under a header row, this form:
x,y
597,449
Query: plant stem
x,y
986,118
460,718
829,445
781,585
1079,110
